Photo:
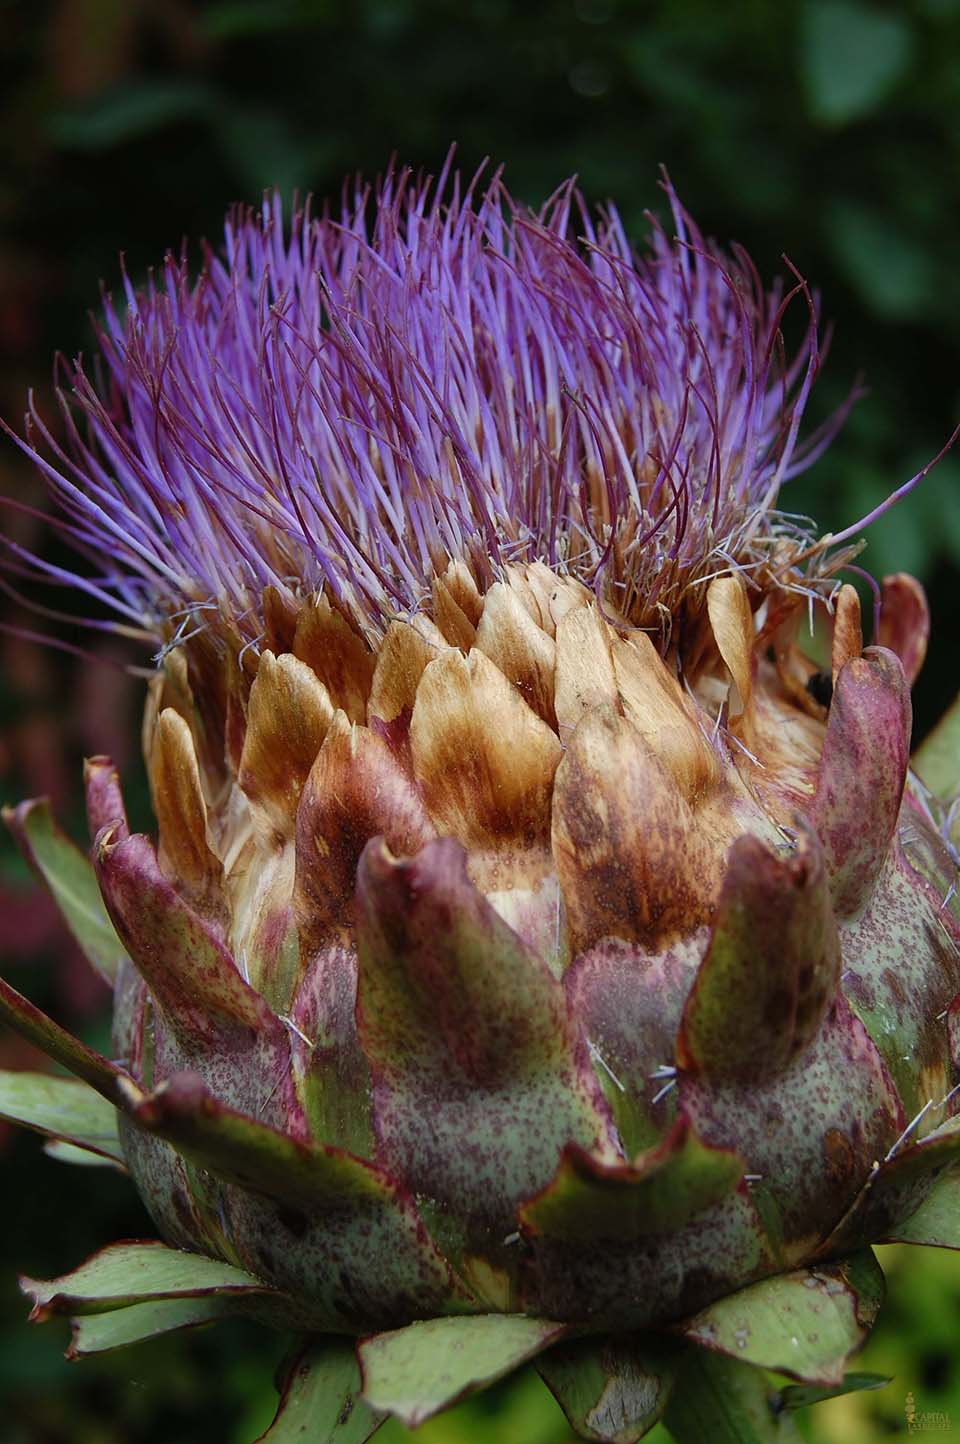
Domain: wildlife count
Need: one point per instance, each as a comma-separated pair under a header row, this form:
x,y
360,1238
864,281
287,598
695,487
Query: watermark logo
x,y
925,1421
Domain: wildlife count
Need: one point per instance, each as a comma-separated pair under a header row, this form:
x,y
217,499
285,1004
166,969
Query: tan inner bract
x,y
583,773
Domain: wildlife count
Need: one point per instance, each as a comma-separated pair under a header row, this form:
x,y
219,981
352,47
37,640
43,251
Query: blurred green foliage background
x,y
826,129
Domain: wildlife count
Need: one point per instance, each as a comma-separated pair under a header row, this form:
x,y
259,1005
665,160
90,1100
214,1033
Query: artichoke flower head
x,y
540,957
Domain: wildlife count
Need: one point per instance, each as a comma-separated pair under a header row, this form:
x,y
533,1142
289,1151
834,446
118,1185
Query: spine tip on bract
x,y
772,966
862,773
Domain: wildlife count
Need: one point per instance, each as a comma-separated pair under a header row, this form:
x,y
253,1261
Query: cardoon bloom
x,y
541,958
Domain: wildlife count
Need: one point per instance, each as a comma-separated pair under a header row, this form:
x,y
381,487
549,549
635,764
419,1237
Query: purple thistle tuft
x,y
350,402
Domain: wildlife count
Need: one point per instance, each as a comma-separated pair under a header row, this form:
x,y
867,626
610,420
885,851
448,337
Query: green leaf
x,y
852,55
937,1221
133,1273
805,1324
69,1153
416,1372
244,1151
69,875
896,278
613,1390
130,111
663,1188
27,1020
98,1333
320,1398
64,1108
355,1208
897,1188
267,149
798,1396
726,1402
937,759
236,19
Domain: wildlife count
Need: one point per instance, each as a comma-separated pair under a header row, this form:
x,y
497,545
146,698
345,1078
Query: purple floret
x,y
349,401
